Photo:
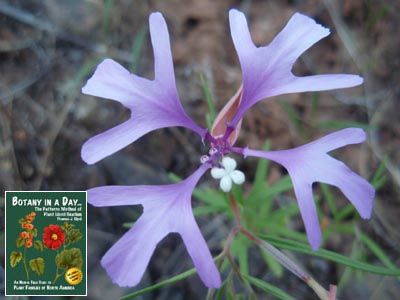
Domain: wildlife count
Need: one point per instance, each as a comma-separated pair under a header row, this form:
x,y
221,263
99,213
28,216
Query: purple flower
x,y
155,104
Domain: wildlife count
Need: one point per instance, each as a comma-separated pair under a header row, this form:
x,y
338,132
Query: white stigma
x,y
227,174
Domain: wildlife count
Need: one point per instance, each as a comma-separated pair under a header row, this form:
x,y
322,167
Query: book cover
x,y
45,248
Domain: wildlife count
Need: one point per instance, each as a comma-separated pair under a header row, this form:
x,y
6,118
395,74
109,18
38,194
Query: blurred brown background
x,y
48,49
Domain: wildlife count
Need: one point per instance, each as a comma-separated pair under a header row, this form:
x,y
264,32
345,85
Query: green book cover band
x,y
46,244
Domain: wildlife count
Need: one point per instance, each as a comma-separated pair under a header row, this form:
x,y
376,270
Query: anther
x,y
213,151
204,159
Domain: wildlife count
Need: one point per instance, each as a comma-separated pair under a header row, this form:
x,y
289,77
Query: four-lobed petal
x,y
166,209
154,104
310,163
267,70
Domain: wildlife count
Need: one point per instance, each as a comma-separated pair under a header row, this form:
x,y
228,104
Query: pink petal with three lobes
x,y
154,103
310,163
267,71
166,209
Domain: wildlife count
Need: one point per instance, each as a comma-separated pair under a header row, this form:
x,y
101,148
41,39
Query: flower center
x,y
54,237
219,147
223,167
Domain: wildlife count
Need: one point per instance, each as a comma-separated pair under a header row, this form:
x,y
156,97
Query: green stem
x,y
57,275
25,266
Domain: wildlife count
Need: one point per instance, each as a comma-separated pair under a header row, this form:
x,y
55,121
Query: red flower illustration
x,y
53,236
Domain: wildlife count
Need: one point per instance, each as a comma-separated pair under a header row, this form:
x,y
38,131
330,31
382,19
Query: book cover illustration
x,y
45,243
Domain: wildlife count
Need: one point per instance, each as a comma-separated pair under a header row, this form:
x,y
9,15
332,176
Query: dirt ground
x,y
48,49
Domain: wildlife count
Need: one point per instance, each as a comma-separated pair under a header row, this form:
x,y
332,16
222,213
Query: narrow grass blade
x,y
329,198
210,102
380,178
268,288
176,278
105,23
137,47
329,255
378,251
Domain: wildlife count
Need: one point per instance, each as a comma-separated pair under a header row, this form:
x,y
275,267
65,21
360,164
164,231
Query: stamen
x,y
213,151
204,159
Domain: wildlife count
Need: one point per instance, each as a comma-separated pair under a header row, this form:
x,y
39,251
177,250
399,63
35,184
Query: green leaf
x,y
315,104
260,184
220,292
345,212
282,185
15,258
380,182
348,272
71,87
376,13
20,242
210,103
272,264
171,280
239,249
377,250
137,47
237,193
22,221
127,224
209,122
268,288
174,178
37,265
73,235
34,232
329,198
69,258
67,226
208,196
284,212
380,178
326,254
38,245
107,13
262,169
294,117
205,210
341,228
286,232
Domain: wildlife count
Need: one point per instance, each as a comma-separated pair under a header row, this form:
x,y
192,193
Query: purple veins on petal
x,y
166,208
153,104
267,70
310,163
